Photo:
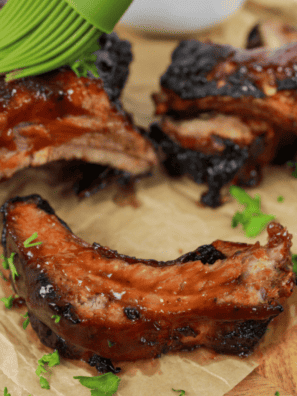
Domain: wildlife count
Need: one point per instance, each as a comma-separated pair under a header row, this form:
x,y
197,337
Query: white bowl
x,y
172,16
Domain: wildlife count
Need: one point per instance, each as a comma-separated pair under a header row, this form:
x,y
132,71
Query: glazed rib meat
x,y
60,116
117,307
259,83
213,96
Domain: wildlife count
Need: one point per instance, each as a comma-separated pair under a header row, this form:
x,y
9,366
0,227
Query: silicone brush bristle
x,y
37,37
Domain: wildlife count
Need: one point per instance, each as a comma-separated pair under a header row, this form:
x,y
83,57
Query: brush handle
x,y
103,14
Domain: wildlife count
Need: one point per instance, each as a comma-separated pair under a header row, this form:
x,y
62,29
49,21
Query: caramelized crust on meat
x,y
258,83
221,295
60,116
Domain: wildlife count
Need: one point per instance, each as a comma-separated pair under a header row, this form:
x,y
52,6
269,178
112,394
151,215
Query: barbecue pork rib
x,y
117,307
60,116
212,92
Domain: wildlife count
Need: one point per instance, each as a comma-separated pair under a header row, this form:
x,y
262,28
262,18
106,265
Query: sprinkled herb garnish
x,y
52,359
28,241
280,199
104,385
87,63
8,301
182,392
110,343
294,260
276,393
57,318
27,321
8,264
6,392
252,218
294,173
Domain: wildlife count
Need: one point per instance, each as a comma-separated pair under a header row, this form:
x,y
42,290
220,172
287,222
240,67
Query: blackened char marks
x,y
103,365
207,254
216,170
193,60
113,59
132,313
242,340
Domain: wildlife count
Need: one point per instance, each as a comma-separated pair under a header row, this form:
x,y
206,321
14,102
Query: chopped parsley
x,y
252,218
294,173
28,241
110,343
276,394
294,261
103,385
280,199
8,301
6,392
27,321
87,63
8,264
52,359
182,392
57,318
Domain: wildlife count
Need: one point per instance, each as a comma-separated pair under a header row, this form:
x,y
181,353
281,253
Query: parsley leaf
x,y
103,385
280,199
276,394
8,264
8,301
294,261
182,391
87,63
28,241
57,318
27,321
252,218
5,392
294,173
51,359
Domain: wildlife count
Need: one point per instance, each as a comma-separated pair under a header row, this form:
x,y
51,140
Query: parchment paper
x,y
167,223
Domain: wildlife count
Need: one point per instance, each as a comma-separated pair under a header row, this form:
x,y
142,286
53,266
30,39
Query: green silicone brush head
x,y
39,36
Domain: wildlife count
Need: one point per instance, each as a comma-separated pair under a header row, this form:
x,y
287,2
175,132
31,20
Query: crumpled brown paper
x,y
167,223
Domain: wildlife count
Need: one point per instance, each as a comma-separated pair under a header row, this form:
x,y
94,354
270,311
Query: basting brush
x,y
37,36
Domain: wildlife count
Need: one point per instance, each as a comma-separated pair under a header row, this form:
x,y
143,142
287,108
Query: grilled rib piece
x,y
212,90
60,116
258,83
118,307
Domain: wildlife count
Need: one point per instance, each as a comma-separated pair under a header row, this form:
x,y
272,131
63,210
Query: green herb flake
x,y
280,199
51,359
252,218
27,321
294,173
6,392
8,264
57,318
28,241
182,392
44,383
87,63
294,261
8,302
276,394
110,343
103,385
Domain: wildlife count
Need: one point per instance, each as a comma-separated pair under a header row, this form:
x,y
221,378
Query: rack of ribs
x,y
114,307
238,105
59,116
